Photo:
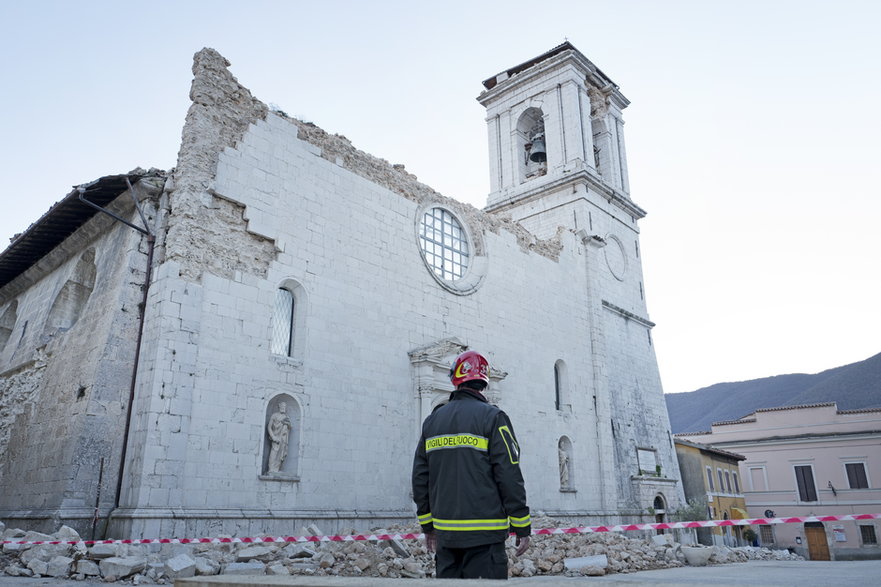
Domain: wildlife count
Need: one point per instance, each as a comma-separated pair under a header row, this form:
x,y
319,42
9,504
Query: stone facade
x,y
289,267
67,367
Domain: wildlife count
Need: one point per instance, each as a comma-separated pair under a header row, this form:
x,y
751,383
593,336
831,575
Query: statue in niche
x,y
563,457
279,430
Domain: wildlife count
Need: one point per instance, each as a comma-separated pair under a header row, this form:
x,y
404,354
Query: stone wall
x,y
66,372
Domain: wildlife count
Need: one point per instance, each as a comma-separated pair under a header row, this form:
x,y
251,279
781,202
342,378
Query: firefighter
x,y
467,483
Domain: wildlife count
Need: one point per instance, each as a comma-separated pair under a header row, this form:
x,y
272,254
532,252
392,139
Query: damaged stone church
x,y
249,343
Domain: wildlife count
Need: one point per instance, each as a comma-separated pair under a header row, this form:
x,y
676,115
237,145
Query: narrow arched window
x,y
283,323
557,385
561,391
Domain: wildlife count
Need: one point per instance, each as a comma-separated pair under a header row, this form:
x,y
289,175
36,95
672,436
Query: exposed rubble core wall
x,y
204,233
338,149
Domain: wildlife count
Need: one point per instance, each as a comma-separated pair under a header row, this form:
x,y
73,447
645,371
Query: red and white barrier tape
x,y
414,536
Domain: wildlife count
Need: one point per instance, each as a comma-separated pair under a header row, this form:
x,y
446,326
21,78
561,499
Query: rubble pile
x,y
562,554
754,553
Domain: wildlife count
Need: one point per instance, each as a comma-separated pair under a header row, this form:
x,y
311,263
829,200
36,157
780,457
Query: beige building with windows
x,y
809,460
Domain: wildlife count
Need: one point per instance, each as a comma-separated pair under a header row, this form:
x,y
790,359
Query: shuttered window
x,y
804,476
856,475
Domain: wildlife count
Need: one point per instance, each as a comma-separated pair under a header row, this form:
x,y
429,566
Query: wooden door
x,y
818,548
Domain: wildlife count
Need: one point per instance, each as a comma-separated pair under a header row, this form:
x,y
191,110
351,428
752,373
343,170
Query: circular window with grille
x,y
444,244
449,251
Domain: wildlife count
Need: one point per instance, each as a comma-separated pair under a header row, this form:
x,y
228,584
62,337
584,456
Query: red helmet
x,y
469,366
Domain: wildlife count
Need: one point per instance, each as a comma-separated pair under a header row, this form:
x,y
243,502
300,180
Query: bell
x,y
537,153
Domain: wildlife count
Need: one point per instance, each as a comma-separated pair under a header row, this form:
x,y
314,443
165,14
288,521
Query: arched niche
x,y
68,305
566,465
282,430
7,323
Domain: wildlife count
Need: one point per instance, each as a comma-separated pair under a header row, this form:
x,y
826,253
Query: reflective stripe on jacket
x,y
467,483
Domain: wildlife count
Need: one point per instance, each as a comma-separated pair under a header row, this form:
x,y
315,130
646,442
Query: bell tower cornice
x,y
574,179
557,58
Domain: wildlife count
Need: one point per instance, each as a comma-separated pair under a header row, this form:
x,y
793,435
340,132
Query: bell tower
x,y
557,159
554,121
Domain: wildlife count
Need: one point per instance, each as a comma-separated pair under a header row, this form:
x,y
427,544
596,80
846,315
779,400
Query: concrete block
x,y
122,566
261,553
38,567
59,566
206,566
67,534
45,552
254,568
574,564
87,567
277,569
180,567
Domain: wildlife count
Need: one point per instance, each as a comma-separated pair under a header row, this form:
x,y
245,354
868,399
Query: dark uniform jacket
x,y
467,483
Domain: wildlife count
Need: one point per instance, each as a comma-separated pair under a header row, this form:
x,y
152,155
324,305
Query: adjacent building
x,y
805,461
711,476
250,342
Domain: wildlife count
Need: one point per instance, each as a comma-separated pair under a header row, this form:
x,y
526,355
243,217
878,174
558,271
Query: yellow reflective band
x,y
512,446
457,441
470,525
425,518
520,522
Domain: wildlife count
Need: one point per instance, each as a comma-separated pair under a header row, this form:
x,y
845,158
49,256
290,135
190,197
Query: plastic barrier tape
x,y
411,536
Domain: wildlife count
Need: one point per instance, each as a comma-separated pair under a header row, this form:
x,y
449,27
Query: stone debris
x,y
145,564
180,567
251,568
260,553
574,564
122,566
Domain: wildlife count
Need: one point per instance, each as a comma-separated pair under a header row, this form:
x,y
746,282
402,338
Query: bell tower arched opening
x,y
532,143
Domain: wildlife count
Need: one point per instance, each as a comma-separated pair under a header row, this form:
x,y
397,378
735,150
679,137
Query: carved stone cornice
x,y
538,188
438,351
628,315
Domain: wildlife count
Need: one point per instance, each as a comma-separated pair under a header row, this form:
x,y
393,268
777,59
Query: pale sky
x,y
751,137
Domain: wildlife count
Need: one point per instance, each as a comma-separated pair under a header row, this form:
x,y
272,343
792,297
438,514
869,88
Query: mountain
x,y
852,387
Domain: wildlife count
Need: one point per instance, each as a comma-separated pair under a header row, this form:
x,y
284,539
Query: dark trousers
x,y
487,561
